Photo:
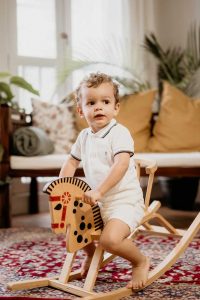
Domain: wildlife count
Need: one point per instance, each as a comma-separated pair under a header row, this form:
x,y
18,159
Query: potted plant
x,y
180,67
7,81
129,82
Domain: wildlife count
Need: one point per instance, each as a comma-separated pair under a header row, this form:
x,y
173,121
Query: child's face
x,y
98,105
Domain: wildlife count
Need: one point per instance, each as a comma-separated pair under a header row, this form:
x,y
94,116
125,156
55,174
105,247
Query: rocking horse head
x,y
68,211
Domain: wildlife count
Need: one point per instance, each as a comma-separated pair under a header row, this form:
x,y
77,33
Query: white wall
x,y
8,39
169,20
3,35
173,19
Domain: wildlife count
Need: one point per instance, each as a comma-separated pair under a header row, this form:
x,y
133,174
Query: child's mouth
x,y
99,116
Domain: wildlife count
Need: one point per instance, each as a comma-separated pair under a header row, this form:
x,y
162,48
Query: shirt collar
x,y
104,131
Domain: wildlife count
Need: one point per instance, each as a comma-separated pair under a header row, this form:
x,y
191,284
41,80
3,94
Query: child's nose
x,y
98,107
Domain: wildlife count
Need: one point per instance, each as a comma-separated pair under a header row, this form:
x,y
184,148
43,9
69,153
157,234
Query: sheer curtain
x,y
111,32
143,16
99,26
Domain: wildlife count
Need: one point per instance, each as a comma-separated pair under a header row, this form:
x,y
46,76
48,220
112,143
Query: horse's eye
x,y
58,206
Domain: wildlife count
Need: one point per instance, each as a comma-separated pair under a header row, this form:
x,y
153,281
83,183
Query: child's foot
x,y
85,265
139,275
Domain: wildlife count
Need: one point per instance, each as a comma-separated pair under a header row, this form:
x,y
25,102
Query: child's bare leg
x,y
114,240
89,251
139,274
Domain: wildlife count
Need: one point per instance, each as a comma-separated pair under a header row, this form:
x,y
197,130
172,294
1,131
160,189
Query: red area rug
x,y
36,252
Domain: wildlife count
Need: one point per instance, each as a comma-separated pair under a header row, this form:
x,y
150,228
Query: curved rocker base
x,y
86,294
57,191
160,269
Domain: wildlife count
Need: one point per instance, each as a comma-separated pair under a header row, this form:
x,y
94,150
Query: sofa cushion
x,y
177,128
135,113
55,161
57,121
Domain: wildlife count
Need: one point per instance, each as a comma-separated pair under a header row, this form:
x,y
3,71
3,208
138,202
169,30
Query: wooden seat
x,y
85,223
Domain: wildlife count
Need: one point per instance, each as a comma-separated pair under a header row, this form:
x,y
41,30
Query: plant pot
x,y
180,193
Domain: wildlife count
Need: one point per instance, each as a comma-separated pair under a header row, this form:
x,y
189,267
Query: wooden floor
x,y
178,218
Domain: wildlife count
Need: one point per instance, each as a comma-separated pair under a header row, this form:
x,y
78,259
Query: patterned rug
x,y
36,252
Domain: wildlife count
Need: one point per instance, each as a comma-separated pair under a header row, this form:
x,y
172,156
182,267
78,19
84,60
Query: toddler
x,y
106,151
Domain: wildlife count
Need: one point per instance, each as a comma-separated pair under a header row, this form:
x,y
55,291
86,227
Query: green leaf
x,y
22,83
119,61
5,91
5,181
193,48
72,65
170,61
4,74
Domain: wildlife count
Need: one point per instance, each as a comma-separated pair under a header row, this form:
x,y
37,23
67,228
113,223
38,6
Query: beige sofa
x,y
174,142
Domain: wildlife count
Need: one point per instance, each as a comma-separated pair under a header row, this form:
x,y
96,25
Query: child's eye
x,y
106,101
90,103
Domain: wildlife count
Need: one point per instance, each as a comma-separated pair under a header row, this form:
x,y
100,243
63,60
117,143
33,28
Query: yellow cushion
x,y
135,113
177,128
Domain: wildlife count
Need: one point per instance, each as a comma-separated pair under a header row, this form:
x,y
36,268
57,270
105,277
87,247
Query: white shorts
x,y
129,214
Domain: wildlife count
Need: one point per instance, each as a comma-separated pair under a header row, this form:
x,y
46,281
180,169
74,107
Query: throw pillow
x,y
31,141
135,113
178,125
57,121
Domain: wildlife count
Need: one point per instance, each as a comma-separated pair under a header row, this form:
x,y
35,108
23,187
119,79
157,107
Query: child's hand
x,y
91,197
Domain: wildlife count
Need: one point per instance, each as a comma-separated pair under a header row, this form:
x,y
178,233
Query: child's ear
x,y
117,107
79,111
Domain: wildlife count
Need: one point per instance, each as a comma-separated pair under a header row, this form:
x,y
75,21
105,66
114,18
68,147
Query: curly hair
x,y
95,80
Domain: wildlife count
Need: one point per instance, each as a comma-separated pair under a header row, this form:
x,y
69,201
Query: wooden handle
x,y
79,197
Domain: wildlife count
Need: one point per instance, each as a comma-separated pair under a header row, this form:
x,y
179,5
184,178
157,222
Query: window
x,y
36,47
36,28
100,33
39,32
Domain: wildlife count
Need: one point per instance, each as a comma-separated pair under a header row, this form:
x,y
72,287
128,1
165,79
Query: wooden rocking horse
x,y
85,224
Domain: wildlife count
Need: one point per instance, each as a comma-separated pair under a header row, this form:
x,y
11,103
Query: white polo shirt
x,y
97,151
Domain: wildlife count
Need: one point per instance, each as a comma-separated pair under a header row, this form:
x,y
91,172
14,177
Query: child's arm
x,y
117,171
69,167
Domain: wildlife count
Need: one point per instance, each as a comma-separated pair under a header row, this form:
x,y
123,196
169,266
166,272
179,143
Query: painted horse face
x,y
63,192
58,209
67,209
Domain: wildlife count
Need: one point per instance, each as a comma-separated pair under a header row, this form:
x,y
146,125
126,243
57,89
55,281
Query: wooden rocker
x,y
85,225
